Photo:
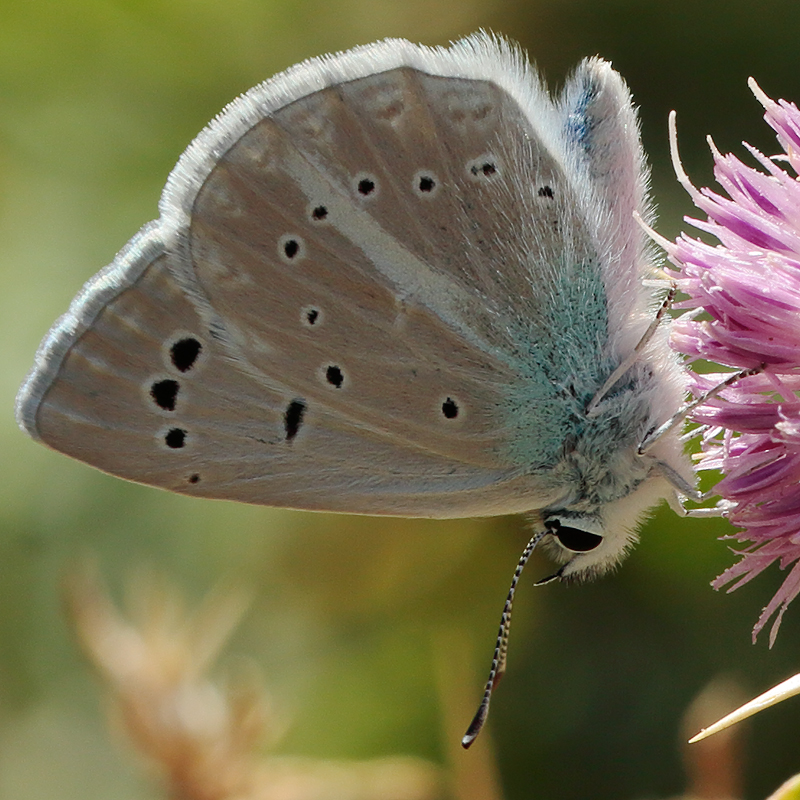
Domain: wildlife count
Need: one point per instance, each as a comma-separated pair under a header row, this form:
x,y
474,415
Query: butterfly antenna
x,y
633,357
501,646
679,416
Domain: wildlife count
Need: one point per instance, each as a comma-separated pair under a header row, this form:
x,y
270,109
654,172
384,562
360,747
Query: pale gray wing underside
x,y
148,394
378,282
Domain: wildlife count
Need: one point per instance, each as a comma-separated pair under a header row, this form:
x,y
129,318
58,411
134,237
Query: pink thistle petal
x,y
749,287
780,602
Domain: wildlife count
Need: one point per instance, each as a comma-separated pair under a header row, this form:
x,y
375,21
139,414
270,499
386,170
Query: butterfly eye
x,y
575,539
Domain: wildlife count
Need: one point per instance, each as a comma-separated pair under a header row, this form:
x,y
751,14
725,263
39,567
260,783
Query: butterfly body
x,y
389,281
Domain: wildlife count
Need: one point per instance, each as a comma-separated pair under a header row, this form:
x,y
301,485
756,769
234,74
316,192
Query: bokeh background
x,y
373,636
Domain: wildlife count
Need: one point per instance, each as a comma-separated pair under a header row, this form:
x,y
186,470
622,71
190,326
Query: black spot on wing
x,y
450,408
293,418
165,394
334,376
175,438
184,353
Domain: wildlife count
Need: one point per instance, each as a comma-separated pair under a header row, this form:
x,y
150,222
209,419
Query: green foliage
x,y
358,624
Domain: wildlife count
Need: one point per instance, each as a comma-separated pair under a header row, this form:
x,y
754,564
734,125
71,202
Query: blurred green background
x,y
373,635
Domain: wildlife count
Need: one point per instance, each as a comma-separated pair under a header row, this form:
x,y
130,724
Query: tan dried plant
x,y
203,738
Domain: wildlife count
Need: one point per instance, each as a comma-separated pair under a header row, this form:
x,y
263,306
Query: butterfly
x,y
397,280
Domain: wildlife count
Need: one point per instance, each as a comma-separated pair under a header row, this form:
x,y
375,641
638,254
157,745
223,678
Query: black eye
x,y
575,539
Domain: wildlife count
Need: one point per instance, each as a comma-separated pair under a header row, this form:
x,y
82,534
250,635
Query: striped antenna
x,y
501,646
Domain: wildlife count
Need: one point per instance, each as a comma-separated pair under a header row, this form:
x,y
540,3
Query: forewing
x,y
423,214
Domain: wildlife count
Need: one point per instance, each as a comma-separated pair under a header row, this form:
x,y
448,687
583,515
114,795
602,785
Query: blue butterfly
x,y
397,280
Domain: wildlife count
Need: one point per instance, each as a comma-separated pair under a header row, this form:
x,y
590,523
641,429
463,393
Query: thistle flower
x,y
749,285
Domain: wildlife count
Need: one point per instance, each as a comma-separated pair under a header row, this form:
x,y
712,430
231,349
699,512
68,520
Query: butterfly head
x,y
582,546
589,542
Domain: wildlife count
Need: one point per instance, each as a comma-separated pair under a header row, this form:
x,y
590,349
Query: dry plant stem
x,y
789,688
202,738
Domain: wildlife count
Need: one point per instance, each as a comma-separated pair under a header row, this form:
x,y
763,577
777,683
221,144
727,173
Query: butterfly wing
x,y
374,287
144,390
608,168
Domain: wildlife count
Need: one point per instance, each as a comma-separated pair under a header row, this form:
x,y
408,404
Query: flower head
x,y
749,287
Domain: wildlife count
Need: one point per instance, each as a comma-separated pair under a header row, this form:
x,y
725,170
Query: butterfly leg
x,y
679,416
676,503
591,409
